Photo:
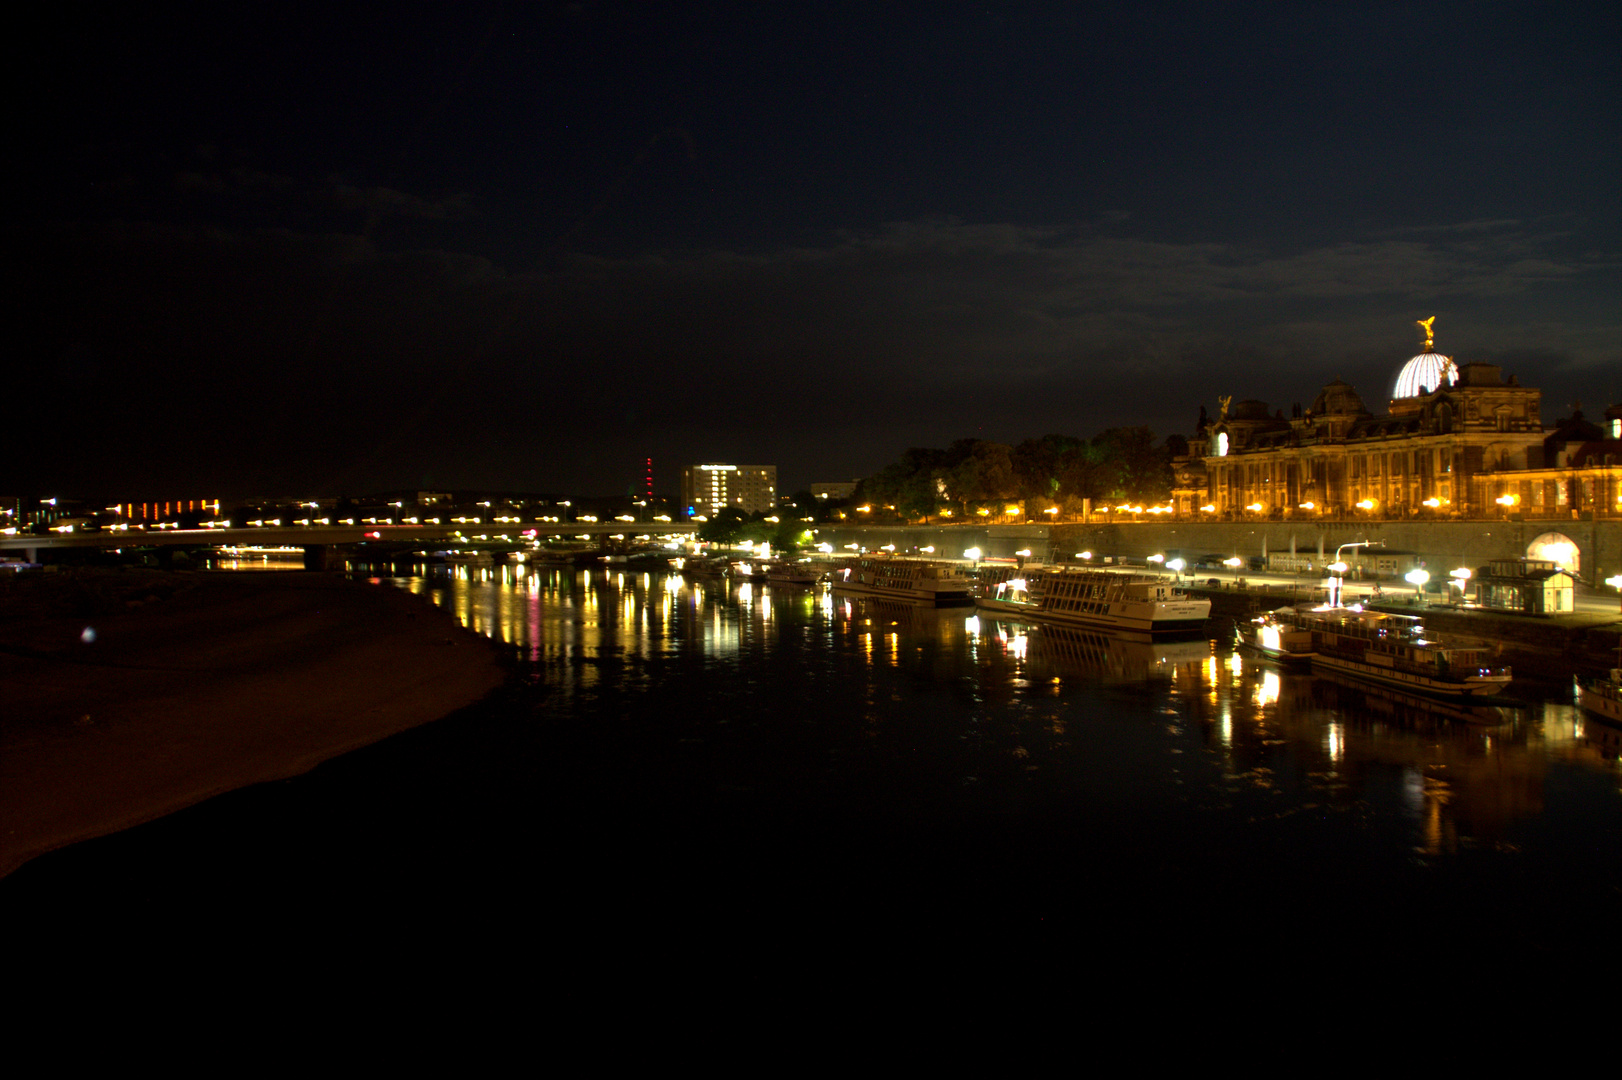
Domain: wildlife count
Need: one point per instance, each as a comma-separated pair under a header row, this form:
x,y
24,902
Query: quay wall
x,y
1439,543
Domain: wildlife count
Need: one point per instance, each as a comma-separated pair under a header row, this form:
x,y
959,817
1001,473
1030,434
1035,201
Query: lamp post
x,y
1461,581
1417,579
1340,568
1234,564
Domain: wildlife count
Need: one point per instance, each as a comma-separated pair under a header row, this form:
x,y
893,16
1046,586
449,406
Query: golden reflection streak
x,y
1267,691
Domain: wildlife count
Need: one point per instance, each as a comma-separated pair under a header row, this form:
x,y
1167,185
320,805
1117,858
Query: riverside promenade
x,y
1440,543
130,695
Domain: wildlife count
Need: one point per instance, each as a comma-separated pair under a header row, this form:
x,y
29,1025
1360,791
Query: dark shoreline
x,y
131,695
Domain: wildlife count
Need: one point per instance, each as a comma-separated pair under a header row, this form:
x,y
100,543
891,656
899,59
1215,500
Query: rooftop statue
x,y
1425,324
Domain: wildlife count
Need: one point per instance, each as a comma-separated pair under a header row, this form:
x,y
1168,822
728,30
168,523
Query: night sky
x,y
275,248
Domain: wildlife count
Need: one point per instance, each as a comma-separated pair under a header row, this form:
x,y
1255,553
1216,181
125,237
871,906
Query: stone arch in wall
x,y
1557,548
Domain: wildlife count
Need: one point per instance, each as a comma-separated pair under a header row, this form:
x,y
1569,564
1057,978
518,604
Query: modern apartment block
x,y
709,488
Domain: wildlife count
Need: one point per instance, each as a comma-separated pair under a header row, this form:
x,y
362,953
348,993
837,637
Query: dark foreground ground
x,y
128,696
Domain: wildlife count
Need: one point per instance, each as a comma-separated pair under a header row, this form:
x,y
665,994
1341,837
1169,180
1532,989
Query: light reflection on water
x,y
1187,728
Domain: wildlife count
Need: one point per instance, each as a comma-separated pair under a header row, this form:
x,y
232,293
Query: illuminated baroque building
x,y
1457,440
707,488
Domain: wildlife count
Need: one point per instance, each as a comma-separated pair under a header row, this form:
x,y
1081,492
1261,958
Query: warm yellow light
x,y
1366,504
1012,510
1051,510
983,512
1208,509
864,509
1256,507
1507,500
1309,506
1433,502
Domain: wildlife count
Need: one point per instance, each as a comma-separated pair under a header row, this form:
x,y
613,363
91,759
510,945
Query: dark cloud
x,y
364,366
269,247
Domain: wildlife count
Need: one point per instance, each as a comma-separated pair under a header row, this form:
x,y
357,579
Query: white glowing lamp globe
x,y
973,554
1416,578
1339,567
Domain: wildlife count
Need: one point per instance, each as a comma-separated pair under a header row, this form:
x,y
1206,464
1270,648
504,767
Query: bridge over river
x,y
316,539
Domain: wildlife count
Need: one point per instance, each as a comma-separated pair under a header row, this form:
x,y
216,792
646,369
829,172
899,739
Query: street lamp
x,y
1461,581
1234,564
1337,581
1417,579
1339,567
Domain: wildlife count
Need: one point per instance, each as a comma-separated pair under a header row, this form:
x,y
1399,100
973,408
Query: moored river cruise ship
x,y
1393,650
919,580
1146,603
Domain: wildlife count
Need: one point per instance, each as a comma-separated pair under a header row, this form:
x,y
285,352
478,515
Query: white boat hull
x,y
1602,699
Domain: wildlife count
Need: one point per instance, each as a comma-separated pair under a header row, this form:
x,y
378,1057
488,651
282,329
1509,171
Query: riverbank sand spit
x,y
124,697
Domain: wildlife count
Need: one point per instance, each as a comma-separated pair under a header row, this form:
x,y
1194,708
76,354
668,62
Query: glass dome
x,y
1425,373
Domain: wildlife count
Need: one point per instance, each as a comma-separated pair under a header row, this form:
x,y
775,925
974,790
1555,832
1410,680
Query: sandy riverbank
x,y
124,697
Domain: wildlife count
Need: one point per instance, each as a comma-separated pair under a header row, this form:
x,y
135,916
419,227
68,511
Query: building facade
x,y
709,488
1451,435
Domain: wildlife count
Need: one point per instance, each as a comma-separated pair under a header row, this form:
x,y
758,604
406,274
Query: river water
x,y
732,764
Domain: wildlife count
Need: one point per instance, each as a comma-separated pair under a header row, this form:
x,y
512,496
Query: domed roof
x,y
1249,409
1425,373
1338,397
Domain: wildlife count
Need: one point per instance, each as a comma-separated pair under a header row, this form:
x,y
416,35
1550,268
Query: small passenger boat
x,y
697,567
918,580
1102,600
1012,596
1276,636
783,572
